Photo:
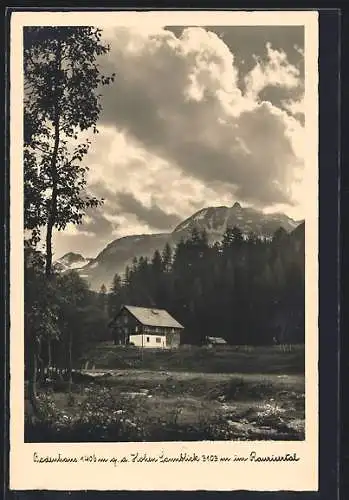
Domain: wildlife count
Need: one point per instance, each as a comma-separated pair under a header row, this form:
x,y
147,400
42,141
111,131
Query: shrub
x,y
106,416
238,389
98,418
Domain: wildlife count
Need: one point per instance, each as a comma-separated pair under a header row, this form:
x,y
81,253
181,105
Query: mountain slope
x,y
214,220
118,254
70,261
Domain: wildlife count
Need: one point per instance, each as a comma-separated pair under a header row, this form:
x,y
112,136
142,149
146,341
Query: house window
x,y
148,339
158,340
125,320
136,329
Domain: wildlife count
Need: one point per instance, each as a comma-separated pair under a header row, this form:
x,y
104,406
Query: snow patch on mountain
x,y
200,215
214,220
71,261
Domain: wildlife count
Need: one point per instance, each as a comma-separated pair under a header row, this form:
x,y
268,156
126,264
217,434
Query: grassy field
x,y
192,394
231,359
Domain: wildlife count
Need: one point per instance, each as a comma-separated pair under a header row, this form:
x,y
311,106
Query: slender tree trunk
x,y
49,247
53,208
53,204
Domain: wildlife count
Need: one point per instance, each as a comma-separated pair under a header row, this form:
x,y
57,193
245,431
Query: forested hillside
x,y
247,290
214,221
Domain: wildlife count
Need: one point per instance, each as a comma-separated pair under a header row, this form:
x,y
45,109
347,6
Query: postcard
x,y
164,250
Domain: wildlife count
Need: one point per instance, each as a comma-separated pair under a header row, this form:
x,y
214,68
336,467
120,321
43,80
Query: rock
x,y
132,395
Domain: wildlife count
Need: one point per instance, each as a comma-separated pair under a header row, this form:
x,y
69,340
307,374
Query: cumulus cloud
x,y
96,223
274,71
180,99
185,126
296,108
153,215
300,50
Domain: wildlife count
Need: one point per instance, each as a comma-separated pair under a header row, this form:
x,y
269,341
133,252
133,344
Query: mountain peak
x,y
213,220
72,256
72,260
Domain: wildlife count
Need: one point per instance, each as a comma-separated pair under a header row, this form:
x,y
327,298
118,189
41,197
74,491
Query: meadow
x,y
188,394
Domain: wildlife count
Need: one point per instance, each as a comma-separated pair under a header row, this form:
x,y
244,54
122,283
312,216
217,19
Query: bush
x,y
98,418
106,416
238,389
103,417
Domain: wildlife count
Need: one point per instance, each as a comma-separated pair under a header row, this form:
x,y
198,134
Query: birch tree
x,y
61,107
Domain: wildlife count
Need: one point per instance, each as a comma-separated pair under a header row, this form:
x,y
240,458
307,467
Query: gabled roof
x,y
153,317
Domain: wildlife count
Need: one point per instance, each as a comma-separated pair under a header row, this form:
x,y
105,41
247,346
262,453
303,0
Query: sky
x,y
196,117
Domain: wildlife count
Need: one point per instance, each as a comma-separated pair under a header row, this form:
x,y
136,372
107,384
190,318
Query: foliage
x,y
61,102
41,308
103,415
61,315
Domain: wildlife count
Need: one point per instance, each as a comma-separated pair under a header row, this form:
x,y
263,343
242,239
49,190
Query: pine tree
x,y
156,264
239,290
103,299
114,296
167,257
237,235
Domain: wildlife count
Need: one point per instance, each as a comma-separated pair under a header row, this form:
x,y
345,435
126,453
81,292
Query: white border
x,y
291,476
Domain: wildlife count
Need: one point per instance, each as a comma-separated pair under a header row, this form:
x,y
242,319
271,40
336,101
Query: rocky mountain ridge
x,y
71,260
214,220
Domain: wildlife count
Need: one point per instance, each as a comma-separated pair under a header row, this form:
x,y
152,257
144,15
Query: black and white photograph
x,y
165,218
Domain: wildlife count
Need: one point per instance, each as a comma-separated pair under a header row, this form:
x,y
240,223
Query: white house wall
x,y
148,340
